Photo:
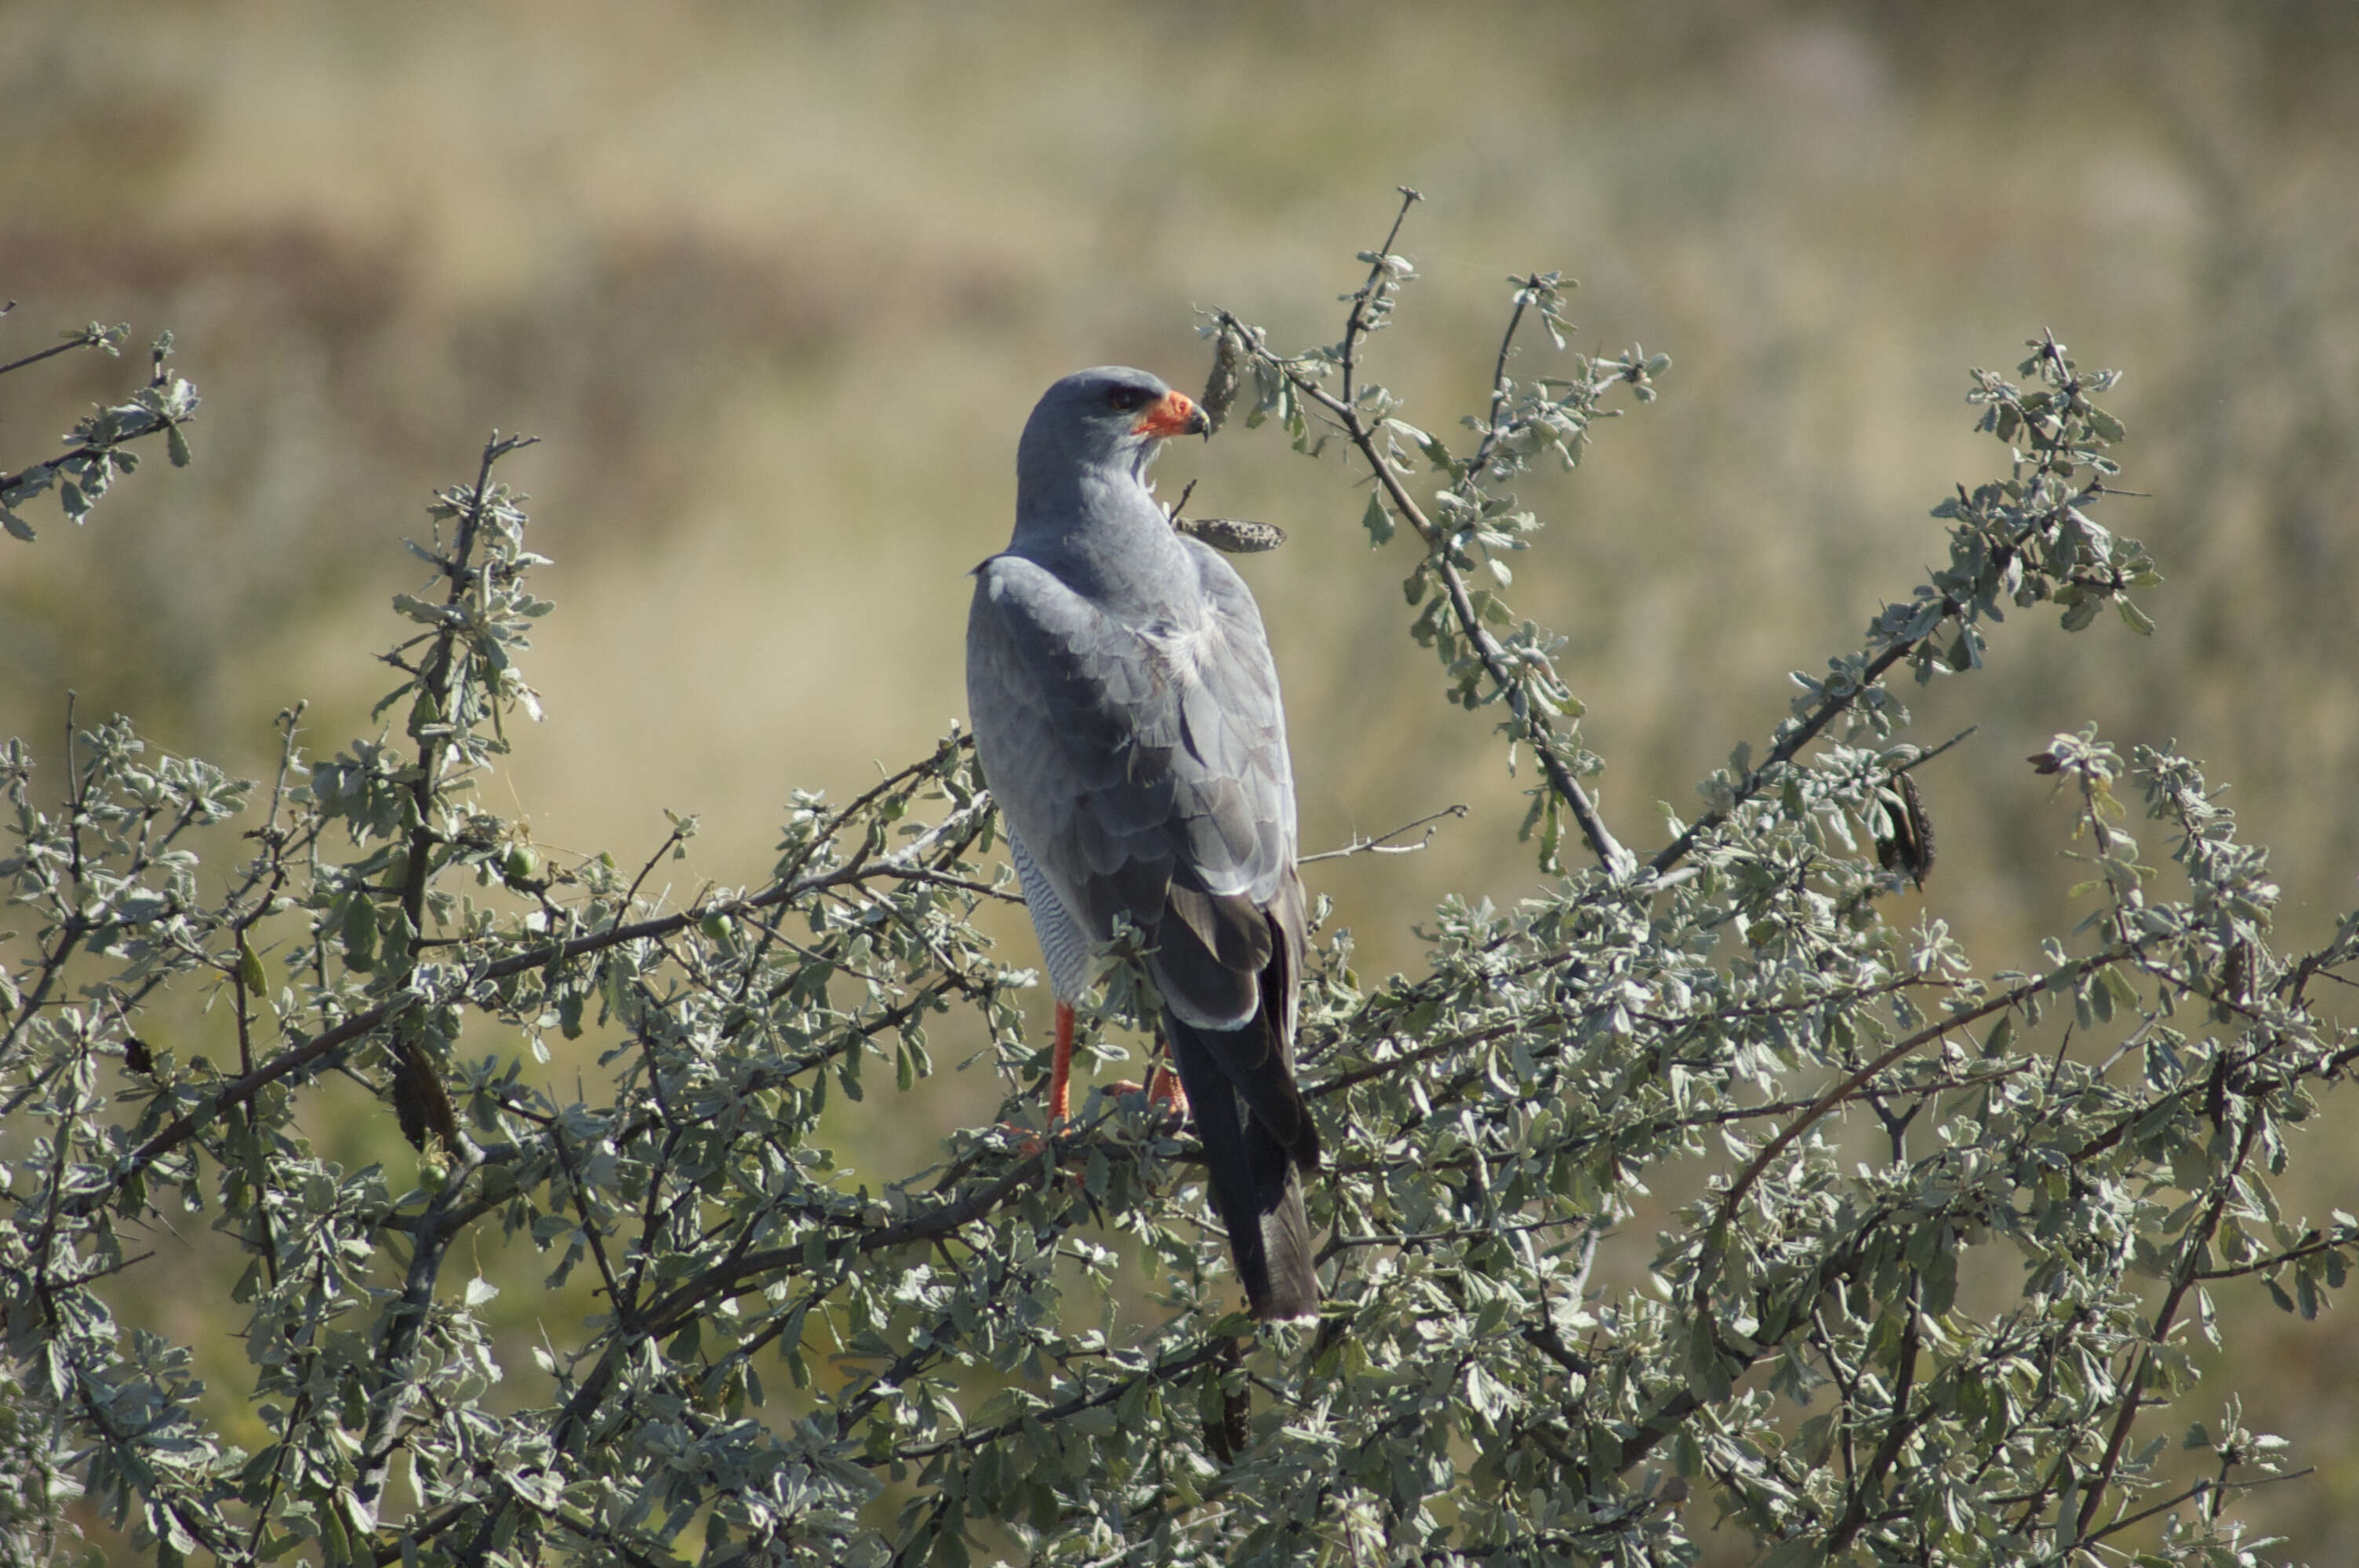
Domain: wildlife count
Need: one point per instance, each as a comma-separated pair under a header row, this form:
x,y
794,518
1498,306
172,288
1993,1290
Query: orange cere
x,y
1174,416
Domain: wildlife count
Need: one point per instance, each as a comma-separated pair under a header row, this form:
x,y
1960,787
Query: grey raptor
x,y
1126,712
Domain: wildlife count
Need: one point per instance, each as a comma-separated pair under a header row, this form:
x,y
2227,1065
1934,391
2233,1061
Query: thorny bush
x,y
1975,1343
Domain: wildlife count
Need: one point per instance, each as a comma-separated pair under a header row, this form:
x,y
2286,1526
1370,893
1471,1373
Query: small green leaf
x,y
1794,1552
358,931
1378,521
249,969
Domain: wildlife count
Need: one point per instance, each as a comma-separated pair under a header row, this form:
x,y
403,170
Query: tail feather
x,y
1254,1176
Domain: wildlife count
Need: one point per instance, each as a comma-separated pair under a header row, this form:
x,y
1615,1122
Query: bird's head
x,y
1107,417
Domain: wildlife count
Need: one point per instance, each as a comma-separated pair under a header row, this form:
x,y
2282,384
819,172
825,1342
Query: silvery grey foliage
x,y
99,446
1968,1340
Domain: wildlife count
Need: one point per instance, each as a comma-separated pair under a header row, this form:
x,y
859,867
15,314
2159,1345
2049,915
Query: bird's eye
x,y
1128,399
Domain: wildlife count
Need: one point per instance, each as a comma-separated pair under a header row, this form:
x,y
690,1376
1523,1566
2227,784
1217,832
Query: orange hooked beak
x,y
1176,414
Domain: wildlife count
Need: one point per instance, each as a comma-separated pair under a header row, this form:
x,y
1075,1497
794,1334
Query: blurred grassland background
x,y
778,285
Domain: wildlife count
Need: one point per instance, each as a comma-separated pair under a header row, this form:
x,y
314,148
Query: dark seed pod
x,y
2236,975
1921,830
1227,1417
137,1054
419,1101
1236,535
1907,846
1228,375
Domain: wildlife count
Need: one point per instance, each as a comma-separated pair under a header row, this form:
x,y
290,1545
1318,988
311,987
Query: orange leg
x,y
1061,1069
1162,1084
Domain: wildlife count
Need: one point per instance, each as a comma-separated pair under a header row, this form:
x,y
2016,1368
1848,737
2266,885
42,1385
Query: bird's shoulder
x,y
1012,587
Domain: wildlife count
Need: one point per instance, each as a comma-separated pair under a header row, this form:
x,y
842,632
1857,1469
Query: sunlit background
x,y
776,285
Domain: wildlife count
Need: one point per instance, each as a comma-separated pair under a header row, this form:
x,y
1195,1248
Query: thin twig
x,y
1382,843
1617,861
69,346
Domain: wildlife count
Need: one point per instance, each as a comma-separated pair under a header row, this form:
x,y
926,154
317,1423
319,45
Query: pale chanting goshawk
x,y
1126,712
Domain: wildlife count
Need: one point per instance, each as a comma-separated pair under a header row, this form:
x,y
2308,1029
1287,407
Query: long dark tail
x,y
1258,1140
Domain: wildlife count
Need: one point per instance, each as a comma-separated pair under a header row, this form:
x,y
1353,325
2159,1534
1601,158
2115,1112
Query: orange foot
x,y
1162,1089
1165,1091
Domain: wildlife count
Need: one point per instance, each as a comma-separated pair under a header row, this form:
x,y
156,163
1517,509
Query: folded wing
x,y
1144,770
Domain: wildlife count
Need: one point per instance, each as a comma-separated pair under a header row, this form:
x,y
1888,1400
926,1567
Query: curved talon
x,y
1031,1143
1029,1140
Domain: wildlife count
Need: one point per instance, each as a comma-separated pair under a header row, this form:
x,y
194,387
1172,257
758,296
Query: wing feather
x,y
1136,761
